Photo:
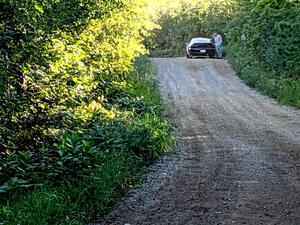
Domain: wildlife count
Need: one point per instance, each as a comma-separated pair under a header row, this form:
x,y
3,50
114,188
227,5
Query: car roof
x,y
200,40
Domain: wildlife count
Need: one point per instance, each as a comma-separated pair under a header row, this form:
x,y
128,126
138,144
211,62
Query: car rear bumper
x,y
201,51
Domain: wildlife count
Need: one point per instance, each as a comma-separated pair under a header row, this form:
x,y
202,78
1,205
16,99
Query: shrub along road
x,y
240,154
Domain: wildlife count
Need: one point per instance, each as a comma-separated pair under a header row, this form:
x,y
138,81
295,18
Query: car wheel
x,y
188,56
211,56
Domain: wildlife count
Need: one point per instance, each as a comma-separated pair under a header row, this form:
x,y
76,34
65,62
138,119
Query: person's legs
x,y
217,53
220,53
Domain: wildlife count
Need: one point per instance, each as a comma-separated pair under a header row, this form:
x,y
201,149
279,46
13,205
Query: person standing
x,y
217,42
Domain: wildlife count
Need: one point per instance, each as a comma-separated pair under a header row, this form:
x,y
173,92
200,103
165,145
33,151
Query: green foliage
x,y
58,57
256,74
74,203
271,29
267,57
90,169
190,19
260,35
80,114
78,118
62,64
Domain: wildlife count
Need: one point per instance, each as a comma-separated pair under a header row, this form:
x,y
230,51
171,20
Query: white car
x,y
200,47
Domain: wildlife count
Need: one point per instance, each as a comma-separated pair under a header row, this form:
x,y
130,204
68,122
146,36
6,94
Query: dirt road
x,y
238,160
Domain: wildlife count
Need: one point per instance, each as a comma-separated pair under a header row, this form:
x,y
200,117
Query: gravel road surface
x,y
238,157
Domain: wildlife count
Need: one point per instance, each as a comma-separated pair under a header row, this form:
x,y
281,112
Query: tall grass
x,y
74,203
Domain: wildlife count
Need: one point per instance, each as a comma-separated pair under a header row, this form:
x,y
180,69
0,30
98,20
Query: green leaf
x,y
38,8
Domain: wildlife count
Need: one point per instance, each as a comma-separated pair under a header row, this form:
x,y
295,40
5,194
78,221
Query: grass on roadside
x,y
280,87
74,203
117,151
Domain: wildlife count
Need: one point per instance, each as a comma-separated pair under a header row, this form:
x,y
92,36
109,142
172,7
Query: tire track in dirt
x,y
238,156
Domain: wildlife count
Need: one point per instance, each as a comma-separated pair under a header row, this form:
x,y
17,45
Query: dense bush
x,y
254,72
271,31
264,42
57,56
190,19
77,116
65,70
92,166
